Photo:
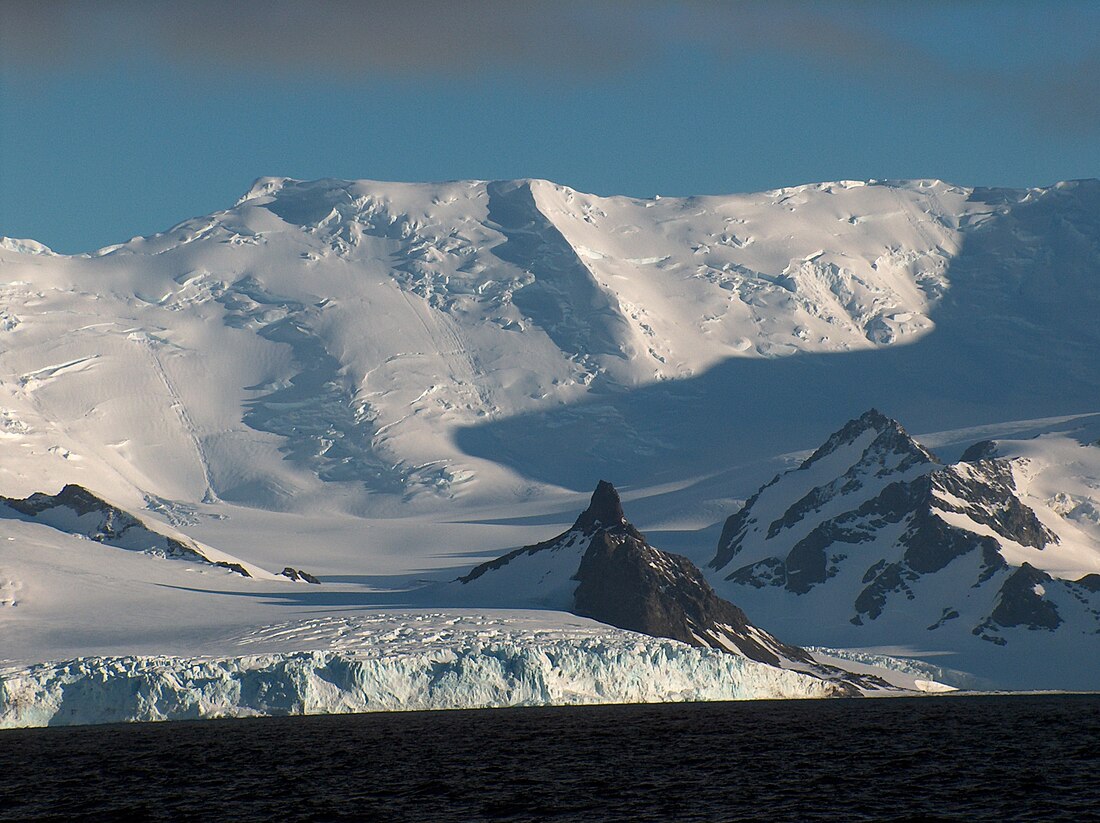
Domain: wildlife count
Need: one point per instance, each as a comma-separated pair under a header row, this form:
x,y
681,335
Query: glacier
x,y
514,669
388,384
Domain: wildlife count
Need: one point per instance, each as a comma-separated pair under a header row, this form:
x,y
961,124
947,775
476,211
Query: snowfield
x,y
386,384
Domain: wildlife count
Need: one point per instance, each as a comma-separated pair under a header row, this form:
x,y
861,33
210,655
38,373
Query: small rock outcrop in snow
x,y
79,512
299,575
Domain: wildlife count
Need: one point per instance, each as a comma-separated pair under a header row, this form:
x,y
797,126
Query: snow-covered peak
x,y
852,467
264,187
403,339
886,436
80,512
23,246
893,546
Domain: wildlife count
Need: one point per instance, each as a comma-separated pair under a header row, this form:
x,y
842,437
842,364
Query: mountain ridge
x,y
405,377
913,537
606,570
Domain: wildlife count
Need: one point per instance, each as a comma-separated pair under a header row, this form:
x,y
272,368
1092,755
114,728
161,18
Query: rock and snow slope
x,y
385,383
75,510
604,568
872,541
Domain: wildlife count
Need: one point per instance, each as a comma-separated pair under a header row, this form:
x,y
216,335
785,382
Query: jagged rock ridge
x,y
78,511
875,525
607,571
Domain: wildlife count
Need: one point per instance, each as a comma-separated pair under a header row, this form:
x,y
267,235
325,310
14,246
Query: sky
x,y
122,118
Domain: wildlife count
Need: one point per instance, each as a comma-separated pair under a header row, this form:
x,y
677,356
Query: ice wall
x,y
564,672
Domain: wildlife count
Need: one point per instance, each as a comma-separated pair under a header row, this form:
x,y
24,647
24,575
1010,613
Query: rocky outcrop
x,y
625,582
877,511
612,574
299,576
78,511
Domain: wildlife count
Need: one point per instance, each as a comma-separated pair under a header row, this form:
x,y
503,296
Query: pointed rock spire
x,y
604,511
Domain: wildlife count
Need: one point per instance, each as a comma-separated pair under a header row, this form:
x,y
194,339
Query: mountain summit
x,y
872,540
605,511
605,569
424,342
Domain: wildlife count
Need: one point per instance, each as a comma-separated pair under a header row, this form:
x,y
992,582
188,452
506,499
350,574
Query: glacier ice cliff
x,y
619,668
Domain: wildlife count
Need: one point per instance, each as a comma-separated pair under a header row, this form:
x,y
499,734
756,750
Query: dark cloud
x,y
423,37
564,40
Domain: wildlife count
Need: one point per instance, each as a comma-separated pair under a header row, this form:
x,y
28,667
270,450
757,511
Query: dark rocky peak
x,y
603,515
1022,602
629,584
73,496
1091,582
982,450
605,511
625,582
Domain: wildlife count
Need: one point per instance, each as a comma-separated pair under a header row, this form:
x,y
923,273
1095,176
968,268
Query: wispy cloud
x,y
565,40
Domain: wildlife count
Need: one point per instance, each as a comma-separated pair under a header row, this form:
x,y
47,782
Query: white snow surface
x,y
362,326
1057,474
385,384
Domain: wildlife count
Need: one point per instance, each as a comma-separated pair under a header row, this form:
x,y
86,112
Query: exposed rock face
x,y
613,575
1090,582
625,582
76,510
979,451
985,491
605,511
79,511
868,452
1021,601
878,512
298,575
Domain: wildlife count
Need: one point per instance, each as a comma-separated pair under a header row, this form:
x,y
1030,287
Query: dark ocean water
x,y
962,758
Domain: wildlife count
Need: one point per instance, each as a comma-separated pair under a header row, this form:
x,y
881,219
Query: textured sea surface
x,y
972,758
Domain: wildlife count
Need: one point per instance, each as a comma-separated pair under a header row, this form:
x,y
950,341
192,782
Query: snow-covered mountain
x,y
873,541
604,568
352,345
388,383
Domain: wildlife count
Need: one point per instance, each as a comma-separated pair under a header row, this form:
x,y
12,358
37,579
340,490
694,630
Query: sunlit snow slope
x,y
319,341
383,382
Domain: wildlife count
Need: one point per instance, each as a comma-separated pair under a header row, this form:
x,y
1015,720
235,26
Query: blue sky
x,y
122,118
